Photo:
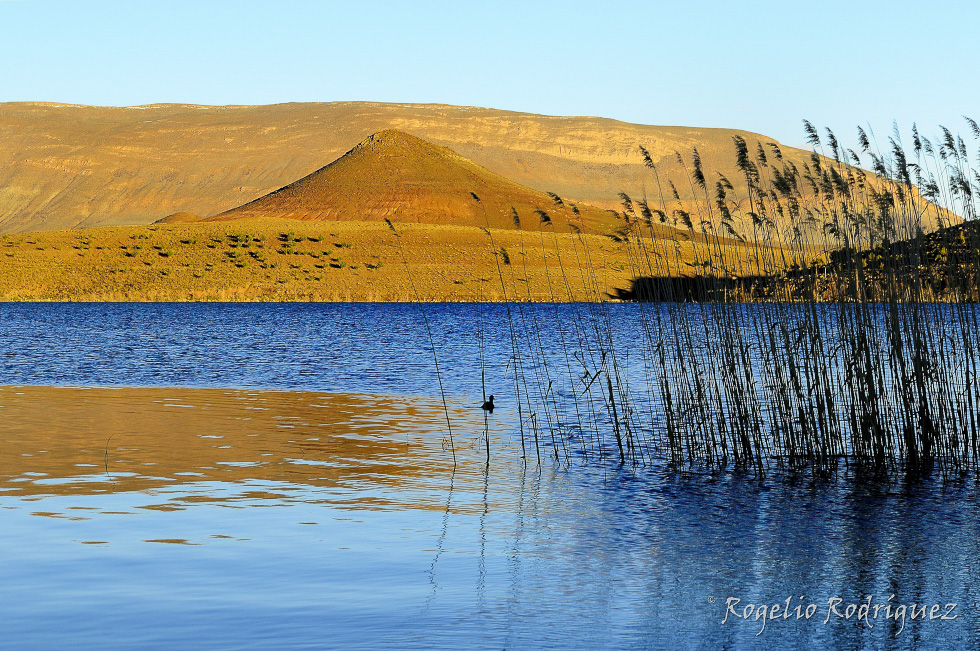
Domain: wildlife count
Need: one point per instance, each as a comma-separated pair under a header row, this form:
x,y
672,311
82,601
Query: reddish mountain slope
x,y
393,175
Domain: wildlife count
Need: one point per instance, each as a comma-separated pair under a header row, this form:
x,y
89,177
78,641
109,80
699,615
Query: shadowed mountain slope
x,y
397,176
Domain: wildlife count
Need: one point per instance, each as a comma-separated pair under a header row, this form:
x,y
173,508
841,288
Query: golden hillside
x,y
67,166
263,259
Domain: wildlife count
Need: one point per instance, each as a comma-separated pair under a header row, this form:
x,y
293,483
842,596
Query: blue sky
x,y
761,66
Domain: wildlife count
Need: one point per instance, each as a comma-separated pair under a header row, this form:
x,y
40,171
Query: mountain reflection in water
x,y
208,518
76,441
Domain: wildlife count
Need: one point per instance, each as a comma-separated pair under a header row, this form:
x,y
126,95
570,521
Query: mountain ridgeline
x,y
68,166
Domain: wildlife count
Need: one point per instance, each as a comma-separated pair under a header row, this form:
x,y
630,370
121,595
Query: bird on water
x,y
488,405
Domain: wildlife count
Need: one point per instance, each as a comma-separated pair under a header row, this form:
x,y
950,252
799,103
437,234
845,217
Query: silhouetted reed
x,y
817,315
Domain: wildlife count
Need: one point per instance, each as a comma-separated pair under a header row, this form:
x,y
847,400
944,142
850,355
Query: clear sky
x,y
760,66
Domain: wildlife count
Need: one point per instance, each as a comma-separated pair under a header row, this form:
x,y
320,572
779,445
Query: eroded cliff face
x,y
68,166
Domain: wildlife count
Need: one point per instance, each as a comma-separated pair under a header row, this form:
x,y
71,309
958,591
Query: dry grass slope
x,y
286,260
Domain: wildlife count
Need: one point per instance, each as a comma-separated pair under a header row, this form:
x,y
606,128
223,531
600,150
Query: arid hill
x,y
397,176
69,166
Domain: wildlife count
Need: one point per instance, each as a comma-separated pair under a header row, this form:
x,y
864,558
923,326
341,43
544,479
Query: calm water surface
x,y
277,476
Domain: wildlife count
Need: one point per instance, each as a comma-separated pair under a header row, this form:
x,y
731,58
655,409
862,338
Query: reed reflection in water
x,y
216,518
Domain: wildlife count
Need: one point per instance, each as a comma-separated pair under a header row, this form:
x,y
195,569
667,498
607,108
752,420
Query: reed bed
x,y
829,318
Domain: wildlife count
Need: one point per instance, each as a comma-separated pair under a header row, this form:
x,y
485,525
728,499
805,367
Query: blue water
x,y
383,545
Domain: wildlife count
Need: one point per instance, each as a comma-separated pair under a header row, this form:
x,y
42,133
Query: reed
x,y
825,318
432,346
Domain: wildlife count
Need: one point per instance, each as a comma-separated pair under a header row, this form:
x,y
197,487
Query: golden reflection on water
x,y
76,441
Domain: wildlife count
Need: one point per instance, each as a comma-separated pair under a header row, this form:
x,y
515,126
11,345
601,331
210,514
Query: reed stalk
x,y
822,314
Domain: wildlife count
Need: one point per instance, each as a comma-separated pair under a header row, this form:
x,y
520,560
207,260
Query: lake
x,y
281,476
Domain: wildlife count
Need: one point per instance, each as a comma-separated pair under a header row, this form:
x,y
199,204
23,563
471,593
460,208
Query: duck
x,y
488,405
